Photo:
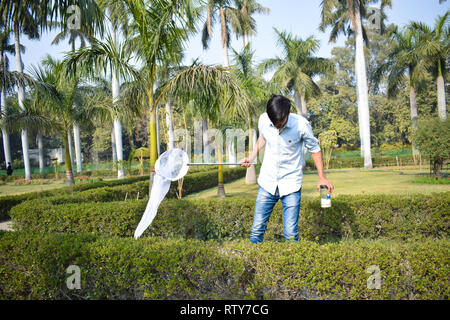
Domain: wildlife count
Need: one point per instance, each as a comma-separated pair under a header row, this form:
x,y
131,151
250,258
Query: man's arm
x,y
317,157
246,162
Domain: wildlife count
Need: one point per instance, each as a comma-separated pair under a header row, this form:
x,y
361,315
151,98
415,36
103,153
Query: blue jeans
x,y
263,208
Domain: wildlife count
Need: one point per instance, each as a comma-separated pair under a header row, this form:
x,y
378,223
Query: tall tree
x,y
295,69
403,61
434,45
255,87
65,98
5,47
340,15
22,21
31,18
242,22
83,34
159,29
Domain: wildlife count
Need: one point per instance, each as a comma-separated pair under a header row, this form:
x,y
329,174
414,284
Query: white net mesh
x,y
172,164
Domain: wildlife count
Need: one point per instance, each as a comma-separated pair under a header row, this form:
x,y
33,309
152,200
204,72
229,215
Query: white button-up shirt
x,y
283,157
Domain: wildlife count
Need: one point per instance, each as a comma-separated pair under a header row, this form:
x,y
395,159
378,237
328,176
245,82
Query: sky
x,y
300,17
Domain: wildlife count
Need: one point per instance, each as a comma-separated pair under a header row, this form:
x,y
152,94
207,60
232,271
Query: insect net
x,y
170,166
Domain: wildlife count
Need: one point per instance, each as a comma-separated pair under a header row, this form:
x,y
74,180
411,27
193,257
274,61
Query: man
x,y
9,169
281,172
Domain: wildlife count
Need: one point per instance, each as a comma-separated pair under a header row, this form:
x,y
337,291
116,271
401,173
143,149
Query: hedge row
x,y
7,202
115,190
396,217
377,162
95,173
34,266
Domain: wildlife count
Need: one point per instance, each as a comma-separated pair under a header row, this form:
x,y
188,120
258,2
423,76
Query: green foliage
x,y
327,141
433,138
33,266
428,180
340,163
17,164
7,202
115,190
396,217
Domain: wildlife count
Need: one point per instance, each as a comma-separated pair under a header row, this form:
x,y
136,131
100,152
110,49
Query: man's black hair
x,y
278,108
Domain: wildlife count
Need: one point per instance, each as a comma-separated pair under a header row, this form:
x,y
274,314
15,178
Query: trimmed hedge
x,y
377,162
7,202
370,216
117,190
33,266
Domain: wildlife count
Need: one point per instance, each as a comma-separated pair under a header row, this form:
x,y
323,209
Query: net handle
x,y
213,163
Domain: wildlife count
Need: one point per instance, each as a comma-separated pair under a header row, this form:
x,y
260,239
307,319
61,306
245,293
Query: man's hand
x,y
325,182
245,162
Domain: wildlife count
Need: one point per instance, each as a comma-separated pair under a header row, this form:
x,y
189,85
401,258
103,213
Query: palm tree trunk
x,y
5,134
113,144
117,124
68,164
442,108
77,142
169,122
221,188
69,138
414,118
304,106
205,140
362,89
298,101
231,152
119,147
250,175
158,133
20,96
153,146
223,28
41,152
245,39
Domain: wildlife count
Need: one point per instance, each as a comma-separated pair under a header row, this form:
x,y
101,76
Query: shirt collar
x,y
287,125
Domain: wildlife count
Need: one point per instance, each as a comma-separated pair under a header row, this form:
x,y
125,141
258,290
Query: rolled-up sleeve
x,y
311,143
261,126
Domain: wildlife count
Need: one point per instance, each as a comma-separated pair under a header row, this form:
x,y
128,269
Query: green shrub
x,y
33,266
116,190
7,202
370,216
377,162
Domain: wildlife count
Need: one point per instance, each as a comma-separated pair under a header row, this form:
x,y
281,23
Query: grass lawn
x,y
345,181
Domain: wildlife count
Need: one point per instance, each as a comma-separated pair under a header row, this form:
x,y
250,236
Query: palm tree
x,y
63,97
435,46
255,87
241,18
5,47
99,59
158,31
119,24
30,17
83,35
339,14
22,21
294,71
296,68
402,60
